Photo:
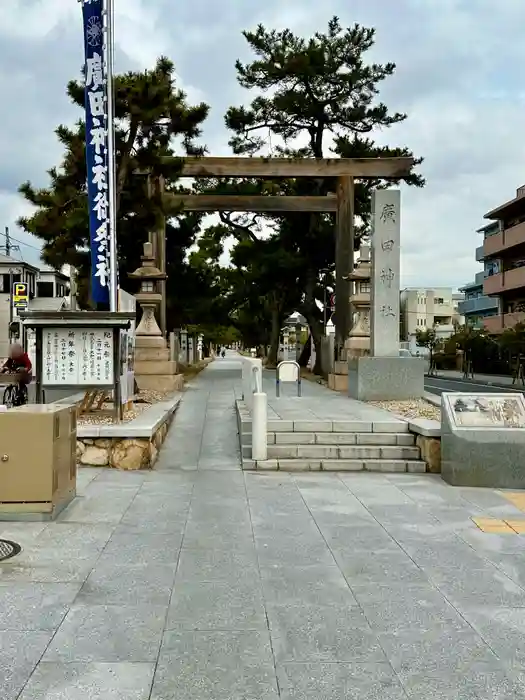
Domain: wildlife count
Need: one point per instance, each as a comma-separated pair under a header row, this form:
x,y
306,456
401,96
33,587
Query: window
x,y
6,280
439,300
45,289
364,287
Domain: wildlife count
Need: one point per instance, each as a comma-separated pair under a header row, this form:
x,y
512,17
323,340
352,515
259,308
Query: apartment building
x,y
477,306
47,291
422,309
504,250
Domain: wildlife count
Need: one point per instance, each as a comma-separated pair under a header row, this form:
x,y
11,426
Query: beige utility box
x,y
37,461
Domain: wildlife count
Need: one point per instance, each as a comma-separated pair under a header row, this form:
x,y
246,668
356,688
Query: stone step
x,y
337,426
331,439
405,439
350,452
388,466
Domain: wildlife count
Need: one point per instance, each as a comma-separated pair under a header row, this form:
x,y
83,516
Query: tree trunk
x,y
316,334
274,339
305,352
125,156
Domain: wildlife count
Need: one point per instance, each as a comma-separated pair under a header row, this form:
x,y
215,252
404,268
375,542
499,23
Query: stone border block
x,y
425,427
352,426
393,426
304,426
342,465
390,466
280,426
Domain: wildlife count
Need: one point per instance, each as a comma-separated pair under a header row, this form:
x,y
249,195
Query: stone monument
x,y
483,440
153,367
183,356
384,375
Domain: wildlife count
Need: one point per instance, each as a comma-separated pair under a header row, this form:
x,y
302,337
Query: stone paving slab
x,y
200,581
318,404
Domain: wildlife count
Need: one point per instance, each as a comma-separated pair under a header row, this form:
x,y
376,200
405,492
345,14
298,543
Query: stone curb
x,y
144,426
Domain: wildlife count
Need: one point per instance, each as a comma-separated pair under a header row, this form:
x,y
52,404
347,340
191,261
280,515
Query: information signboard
x,y
77,357
481,411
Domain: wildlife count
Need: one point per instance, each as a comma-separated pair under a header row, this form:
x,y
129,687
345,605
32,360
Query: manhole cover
x,y
9,549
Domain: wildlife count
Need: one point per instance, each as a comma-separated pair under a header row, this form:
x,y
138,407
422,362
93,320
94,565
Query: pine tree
x,y
151,116
319,97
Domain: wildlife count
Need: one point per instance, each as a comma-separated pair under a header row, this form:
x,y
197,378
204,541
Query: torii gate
x,y
344,170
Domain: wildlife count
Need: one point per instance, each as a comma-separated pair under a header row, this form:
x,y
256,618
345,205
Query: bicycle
x,y
15,394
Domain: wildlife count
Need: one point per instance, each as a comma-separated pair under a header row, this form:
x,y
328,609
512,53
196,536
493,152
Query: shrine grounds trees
x,y
428,339
315,97
151,113
310,97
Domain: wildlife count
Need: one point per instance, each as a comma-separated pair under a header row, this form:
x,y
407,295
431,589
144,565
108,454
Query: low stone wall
x,y
428,439
121,453
128,446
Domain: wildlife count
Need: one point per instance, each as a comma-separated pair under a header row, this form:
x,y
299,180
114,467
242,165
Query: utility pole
x,y
72,288
7,242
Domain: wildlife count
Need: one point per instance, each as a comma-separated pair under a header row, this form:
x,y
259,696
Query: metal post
x,y
324,306
259,427
10,303
109,55
40,398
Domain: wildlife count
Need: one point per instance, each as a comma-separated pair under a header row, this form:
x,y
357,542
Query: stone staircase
x,y
381,446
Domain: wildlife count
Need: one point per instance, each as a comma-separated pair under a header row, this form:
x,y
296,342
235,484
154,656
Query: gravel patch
x,y
144,400
418,408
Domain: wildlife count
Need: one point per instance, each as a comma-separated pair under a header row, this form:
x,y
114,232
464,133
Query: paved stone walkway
x,y
199,582
317,403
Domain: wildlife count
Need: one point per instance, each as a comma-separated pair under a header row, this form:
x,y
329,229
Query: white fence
x,y
257,402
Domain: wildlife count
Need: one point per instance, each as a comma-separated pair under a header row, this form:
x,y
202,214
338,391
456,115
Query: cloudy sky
x,y
459,78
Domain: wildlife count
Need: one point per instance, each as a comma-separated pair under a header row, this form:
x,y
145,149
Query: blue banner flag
x,y
97,148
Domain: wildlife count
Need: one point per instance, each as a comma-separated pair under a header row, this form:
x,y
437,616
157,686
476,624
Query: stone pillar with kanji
x,y
385,375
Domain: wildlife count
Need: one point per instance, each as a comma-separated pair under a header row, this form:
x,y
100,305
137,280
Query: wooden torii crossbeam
x,y
345,170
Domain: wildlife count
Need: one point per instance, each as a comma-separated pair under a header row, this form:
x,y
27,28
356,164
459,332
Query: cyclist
x,y
18,363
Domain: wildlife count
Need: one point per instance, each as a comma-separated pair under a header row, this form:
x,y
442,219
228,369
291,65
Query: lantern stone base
x,y
338,382
160,382
160,354
156,342
153,366
153,369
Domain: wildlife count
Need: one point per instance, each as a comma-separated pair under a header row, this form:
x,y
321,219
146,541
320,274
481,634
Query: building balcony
x,y
480,277
508,238
478,305
480,255
497,324
504,281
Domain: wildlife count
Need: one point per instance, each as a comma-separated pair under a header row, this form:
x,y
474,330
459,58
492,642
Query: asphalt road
x,y
437,385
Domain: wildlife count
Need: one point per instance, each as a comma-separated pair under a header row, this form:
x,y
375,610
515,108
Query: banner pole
x,y
113,267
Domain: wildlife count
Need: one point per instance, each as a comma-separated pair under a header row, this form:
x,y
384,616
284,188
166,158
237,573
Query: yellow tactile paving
x,y
493,526
516,498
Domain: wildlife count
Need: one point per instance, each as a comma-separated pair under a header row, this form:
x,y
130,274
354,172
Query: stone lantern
x,y
148,296
153,368
358,342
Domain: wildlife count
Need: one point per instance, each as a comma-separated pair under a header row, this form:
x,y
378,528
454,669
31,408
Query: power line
x,y
10,240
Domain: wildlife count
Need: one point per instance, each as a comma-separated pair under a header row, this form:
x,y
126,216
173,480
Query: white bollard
x,y
259,427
